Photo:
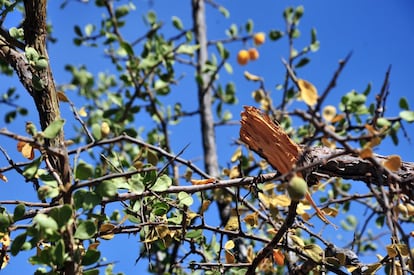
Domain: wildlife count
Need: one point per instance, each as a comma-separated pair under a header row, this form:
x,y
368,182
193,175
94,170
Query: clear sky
x,y
379,34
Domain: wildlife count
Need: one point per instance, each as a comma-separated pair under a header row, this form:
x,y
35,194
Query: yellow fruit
x,y
253,54
105,129
259,38
243,57
297,188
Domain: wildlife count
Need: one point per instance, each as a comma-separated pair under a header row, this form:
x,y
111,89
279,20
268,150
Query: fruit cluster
x,y
244,56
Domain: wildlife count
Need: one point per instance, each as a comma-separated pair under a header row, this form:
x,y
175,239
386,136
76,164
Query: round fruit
x,y
253,54
297,188
243,57
259,38
105,129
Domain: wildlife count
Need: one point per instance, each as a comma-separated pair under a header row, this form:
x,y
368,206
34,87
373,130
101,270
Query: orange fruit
x,y
253,54
243,57
259,38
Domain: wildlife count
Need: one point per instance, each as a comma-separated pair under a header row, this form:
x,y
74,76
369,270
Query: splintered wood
x,y
268,139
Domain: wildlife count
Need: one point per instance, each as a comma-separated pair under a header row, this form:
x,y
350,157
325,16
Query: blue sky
x,y
379,33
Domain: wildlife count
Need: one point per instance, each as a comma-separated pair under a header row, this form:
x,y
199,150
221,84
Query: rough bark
x,y
204,92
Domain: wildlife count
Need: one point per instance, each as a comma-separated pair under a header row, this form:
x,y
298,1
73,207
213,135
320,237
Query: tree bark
x,y
204,92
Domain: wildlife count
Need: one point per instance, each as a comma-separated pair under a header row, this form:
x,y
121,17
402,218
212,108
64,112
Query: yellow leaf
x,y
205,206
234,172
329,113
202,182
93,246
393,163
105,129
263,164
105,230
371,129
338,118
403,249
297,241
252,219
328,143
264,199
332,212
3,177
5,239
391,251
82,112
251,77
27,151
301,209
372,268
230,259
232,223
229,245
314,251
373,142
308,92
237,154
250,254
278,257
62,96
281,200
365,153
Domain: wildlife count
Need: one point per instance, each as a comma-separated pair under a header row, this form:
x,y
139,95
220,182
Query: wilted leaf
x,y
314,251
82,112
237,154
278,257
308,92
393,163
229,257
329,113
251,77
391,251
54,128
62,96
3,177
229,245
332,212
365,153
202,182
105,230
252,219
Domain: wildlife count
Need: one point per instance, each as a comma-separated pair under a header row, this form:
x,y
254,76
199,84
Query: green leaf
x,y
96,131
31,54
19,211
404,104
302,62
187,49
45,224
177,23
185,198
224,12
46,191
127,48
18,243
31,169
160,208
54,128
121,11
85,230
161,184
86,200
194,234
92,272
249,26
407,115
151,17
62,215
89,28
314,39
107,188
84,170
91,256
275,35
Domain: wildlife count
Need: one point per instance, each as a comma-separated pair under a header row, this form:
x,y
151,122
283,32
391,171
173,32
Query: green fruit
x,y
297,188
